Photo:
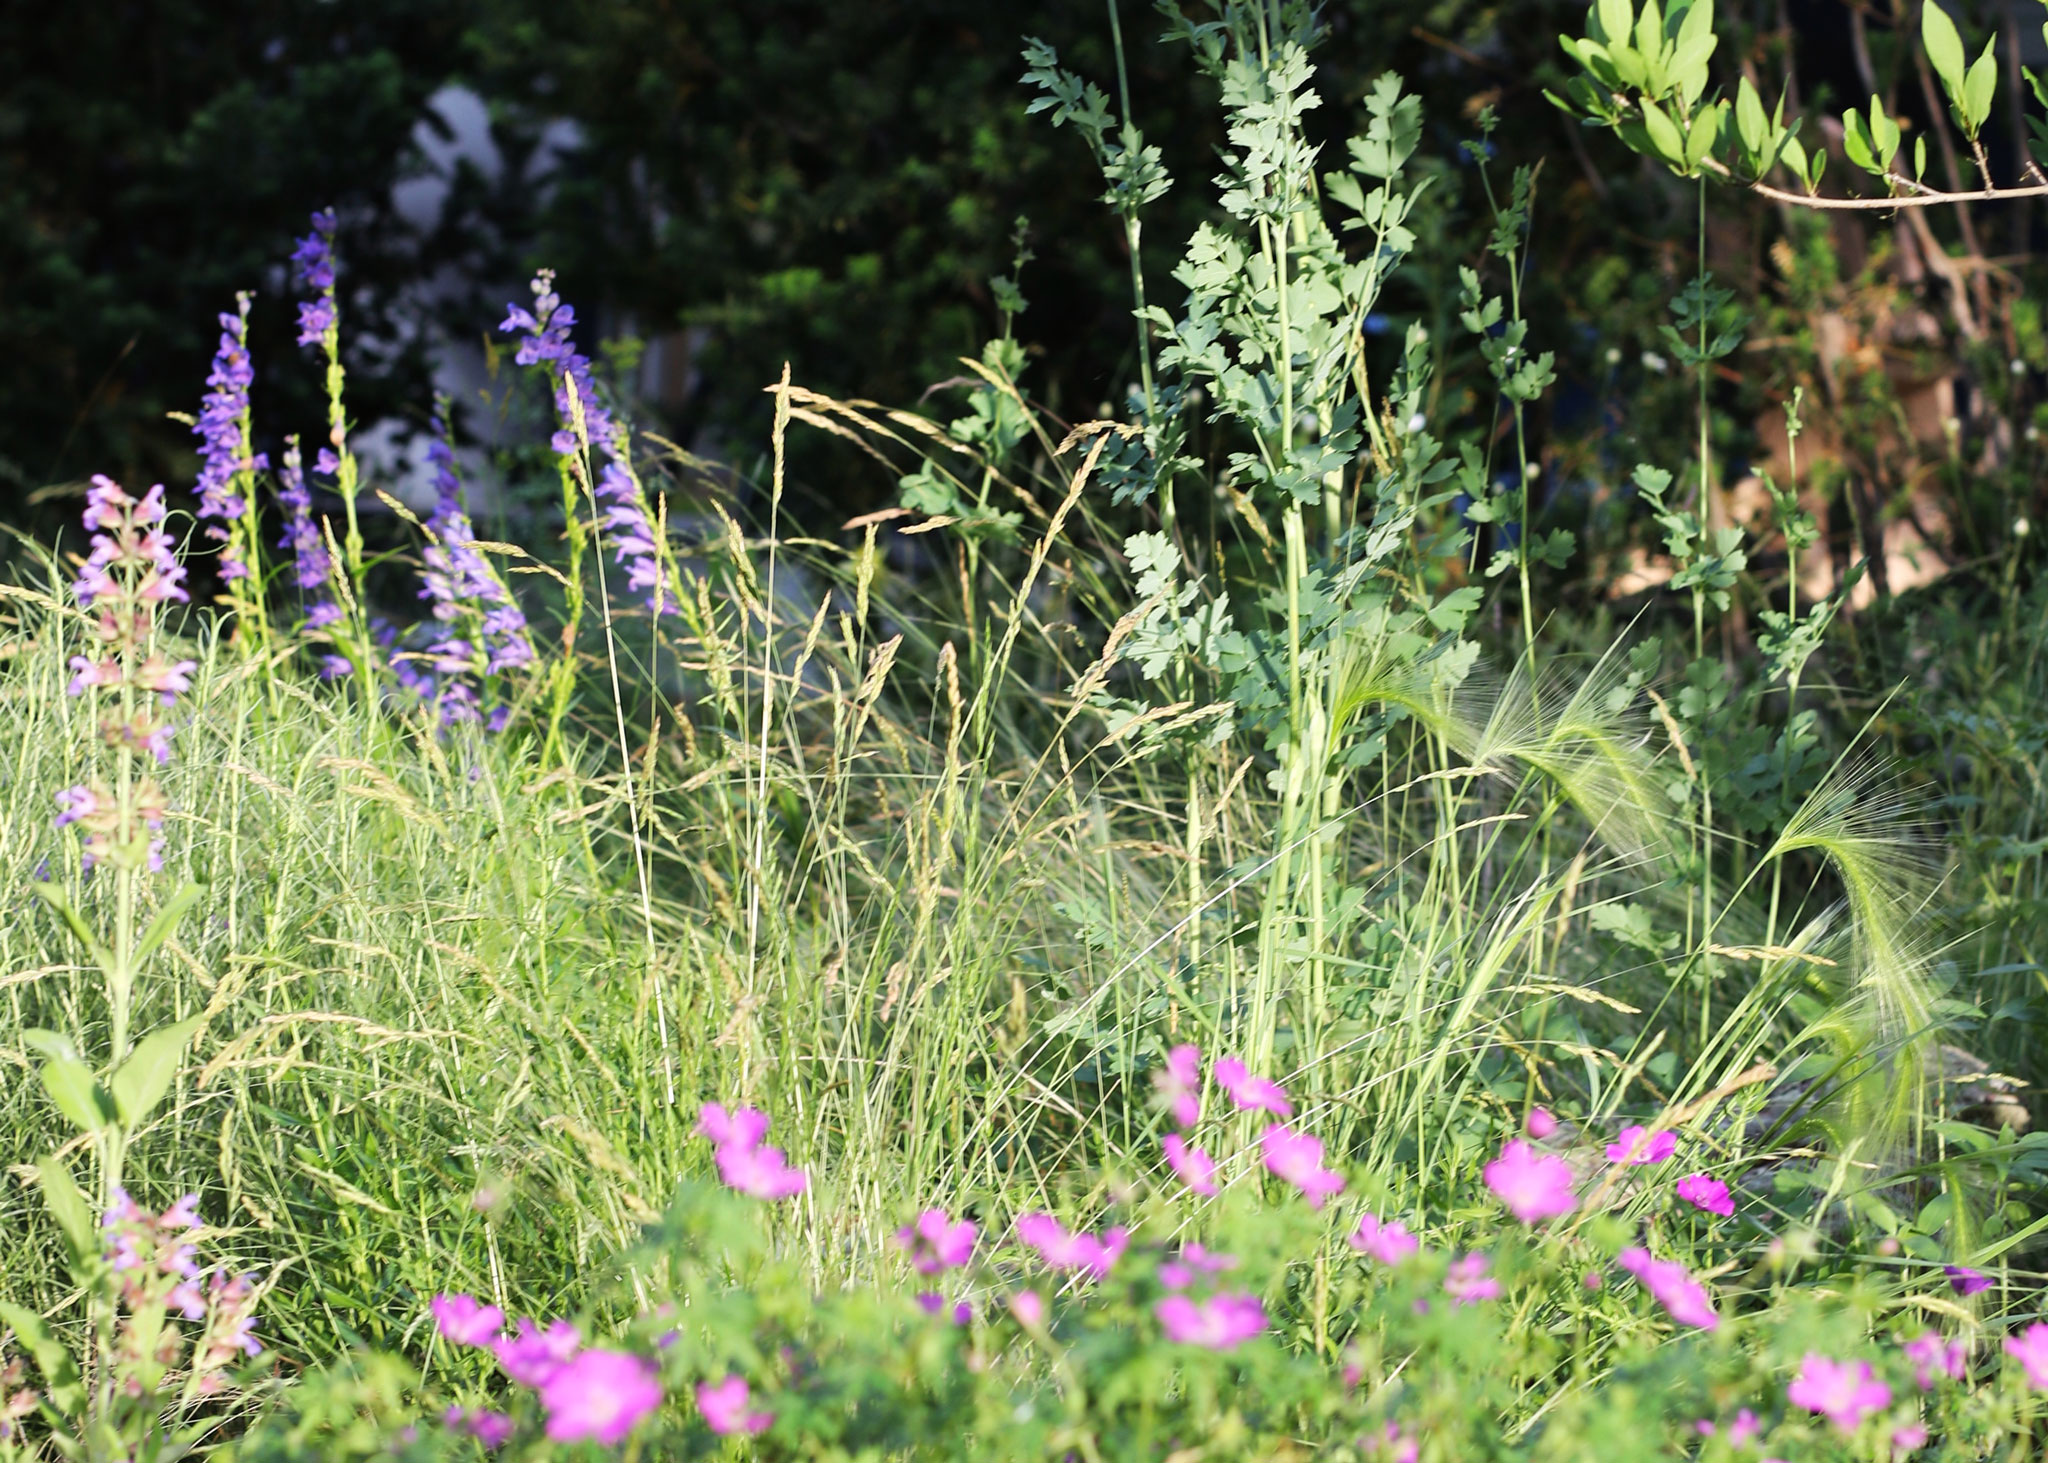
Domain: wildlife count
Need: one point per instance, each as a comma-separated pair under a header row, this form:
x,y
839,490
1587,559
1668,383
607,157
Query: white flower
x,y
1416,423
1654,362
2021,528
2019,367
1614,355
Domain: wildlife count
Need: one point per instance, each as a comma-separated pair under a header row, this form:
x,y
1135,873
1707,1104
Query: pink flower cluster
x,y
1295,1157
156,1267
744,1162
1684,1297
1843,1392
1075,1250
587,1393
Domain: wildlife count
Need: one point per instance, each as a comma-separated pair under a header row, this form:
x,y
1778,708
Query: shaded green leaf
x,y
143,1079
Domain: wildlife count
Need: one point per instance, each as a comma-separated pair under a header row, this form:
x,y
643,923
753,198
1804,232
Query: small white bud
x,y
1532,470
2021,528
2019,367
1416,423
1614,355
1654,362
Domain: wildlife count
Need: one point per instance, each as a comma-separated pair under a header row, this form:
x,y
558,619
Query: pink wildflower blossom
x,y
1933,1357
1298,1158
492,1429
1684,1297
1179,1274
934,1304
1907,1436
937,1244
465,1320
1194,1167
533,1356
2030,1350
1637,1145
1841,1391
1220,1323
1705,1192
1741,1432
1180,1083
599,1395
760,1173
726,1411
1076,1251
1534,1186
1393,1445
742,1128
1468,1283
1540,1123
1386,1240
1028,1306
1249,1093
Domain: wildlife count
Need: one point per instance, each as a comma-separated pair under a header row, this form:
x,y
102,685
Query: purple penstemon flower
x,y
312,566
223,431
487,632
585,421
313,260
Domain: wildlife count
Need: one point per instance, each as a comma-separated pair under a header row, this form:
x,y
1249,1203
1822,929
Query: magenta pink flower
x,y
1703,1191
465,1320
599,1395
1684,1297
1028,1306
1077,1251
760,1173
1220,1323
1907,1436
1637,1145
1195,1168
1843,1392
1387,1241
742,1128
726,1410
1249,1093
1180,1083
934,1304
1741,1432
1534,1186
532,1356
1933,1357
1965,1281
1298,1158
936,1244
492,1429
1467,1281
2030,1350
1393,1445
1179,1274
1540,1123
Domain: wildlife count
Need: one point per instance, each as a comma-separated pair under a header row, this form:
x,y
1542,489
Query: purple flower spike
x,y
302,536
599,1396
314,262
223,432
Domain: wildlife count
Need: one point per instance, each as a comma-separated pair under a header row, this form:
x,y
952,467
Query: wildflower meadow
x,y
1196,931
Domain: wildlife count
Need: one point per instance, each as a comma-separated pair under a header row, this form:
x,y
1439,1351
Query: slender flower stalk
x,y
312,566
229,464
320,325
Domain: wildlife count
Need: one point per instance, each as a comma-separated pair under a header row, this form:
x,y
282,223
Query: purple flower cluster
x,y
131,570
313,260
223,432
585,420
156,1266
485,632
312,565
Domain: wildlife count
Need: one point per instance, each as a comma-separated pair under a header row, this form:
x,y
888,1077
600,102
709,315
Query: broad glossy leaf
x,y
1944,47
1979,88
1617,19
72,1088
1664,134
1750,124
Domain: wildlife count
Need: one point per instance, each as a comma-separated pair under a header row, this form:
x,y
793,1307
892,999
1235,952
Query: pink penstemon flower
x,y
599,1395
2030,1350
1298,1159
1682,1296
465,1320
1933,1357
1534,1186
1467,1281
1636,1145
1249,1093
1386,1240
936,1243
1076,1251
1193,1166
1220,1323
1180,1083
726,1409
1706,1193
1843,1392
